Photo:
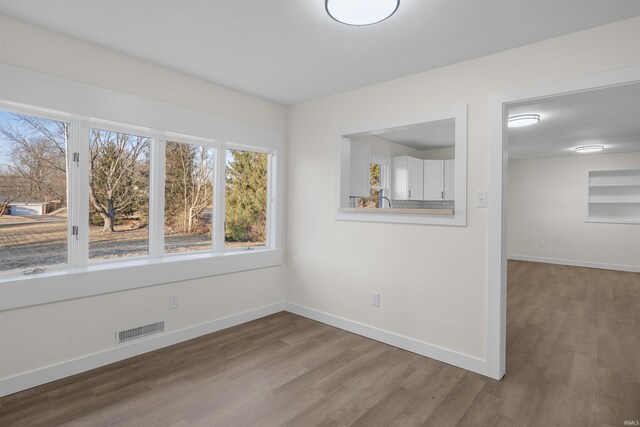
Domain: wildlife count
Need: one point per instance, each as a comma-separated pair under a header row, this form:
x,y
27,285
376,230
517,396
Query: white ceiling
x,y
609,117
424,136
290,51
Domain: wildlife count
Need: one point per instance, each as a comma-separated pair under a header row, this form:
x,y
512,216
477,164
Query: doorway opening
x,y
597,206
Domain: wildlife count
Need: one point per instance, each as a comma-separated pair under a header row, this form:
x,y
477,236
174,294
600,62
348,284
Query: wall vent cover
x,y
139,332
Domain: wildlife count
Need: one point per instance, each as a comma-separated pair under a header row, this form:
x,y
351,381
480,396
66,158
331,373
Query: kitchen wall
x,y
546,213
384,148
432,279
439,153
41,336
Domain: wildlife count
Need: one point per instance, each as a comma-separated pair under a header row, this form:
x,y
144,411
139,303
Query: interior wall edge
x,y
422,348
575,263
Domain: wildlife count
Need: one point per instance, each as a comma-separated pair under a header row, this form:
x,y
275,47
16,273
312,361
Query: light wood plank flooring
x,y
573,359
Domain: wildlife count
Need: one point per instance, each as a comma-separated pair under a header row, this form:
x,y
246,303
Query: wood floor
x,y
573,359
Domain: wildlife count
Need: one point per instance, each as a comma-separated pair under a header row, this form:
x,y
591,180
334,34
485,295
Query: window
x,y
159,255
105,208
245,199
188,197
118,195
33,191
376,190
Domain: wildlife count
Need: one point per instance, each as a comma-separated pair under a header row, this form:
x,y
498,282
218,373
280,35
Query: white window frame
x,y
160,122
384,163
270,201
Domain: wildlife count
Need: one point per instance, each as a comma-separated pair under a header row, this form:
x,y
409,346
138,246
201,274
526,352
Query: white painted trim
x,y
71,367
85,363
422,348
85,106
498,163
459,218
102,278
576,263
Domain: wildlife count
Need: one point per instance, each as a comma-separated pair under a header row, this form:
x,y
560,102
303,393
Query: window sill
x,y
60,284
388,211
457,217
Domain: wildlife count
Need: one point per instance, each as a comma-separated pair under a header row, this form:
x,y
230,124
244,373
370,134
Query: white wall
x,y
546,213
439,154
383,148
39,336
432,279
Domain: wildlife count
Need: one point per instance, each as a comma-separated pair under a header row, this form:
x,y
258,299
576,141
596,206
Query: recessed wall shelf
x,y
613,196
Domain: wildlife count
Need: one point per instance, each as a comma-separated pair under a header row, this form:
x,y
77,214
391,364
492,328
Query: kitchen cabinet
x,y
407,179
450,179
439,179
433,180
416,179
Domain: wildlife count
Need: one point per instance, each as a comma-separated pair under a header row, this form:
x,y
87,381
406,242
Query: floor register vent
x,y
139,332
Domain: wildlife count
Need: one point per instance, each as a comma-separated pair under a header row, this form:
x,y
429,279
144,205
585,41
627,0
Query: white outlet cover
x,y
173,302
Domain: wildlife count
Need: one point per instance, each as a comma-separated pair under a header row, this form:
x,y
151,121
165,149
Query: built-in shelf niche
x,y
613,196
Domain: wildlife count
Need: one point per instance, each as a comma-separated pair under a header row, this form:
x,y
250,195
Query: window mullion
x,y
219,200
156,197
79,214
271,196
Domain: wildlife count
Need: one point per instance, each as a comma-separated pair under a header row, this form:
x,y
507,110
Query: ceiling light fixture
x,y
589,148
361,12
522,120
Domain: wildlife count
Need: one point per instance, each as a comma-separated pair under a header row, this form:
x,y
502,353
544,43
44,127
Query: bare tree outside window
x,y
33,191
118,194
188,205
375,179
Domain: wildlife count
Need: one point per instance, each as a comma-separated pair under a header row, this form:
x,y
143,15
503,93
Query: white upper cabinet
x,y
450,179
407,178
433,179
359,159
416,179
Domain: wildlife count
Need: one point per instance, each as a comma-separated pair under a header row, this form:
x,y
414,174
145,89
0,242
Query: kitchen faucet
x,y
381,202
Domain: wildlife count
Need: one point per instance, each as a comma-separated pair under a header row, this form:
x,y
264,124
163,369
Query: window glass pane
x,y
375,183
188,197
118,195
245,199
33,191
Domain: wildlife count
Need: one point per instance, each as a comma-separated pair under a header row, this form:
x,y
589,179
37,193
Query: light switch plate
x,y
375,299
481,199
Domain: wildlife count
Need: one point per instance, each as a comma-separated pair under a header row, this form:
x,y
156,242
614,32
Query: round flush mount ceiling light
x,y
589,148
522,120
361,12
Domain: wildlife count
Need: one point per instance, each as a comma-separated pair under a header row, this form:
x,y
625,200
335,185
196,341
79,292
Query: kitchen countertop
x,y
399,211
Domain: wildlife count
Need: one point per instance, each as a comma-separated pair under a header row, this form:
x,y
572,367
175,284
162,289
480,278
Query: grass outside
x,y
27,242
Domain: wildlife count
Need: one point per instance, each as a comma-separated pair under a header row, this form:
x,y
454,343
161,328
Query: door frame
x,y
498,173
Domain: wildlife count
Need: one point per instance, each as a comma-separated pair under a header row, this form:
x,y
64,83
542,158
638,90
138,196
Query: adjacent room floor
x,y
573,358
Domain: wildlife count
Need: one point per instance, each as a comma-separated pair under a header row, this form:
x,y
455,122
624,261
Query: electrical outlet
x,y
375,299
173,302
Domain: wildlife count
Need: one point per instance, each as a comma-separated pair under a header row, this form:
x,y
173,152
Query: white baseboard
x,y
451,357
61,370
71,367
576,263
